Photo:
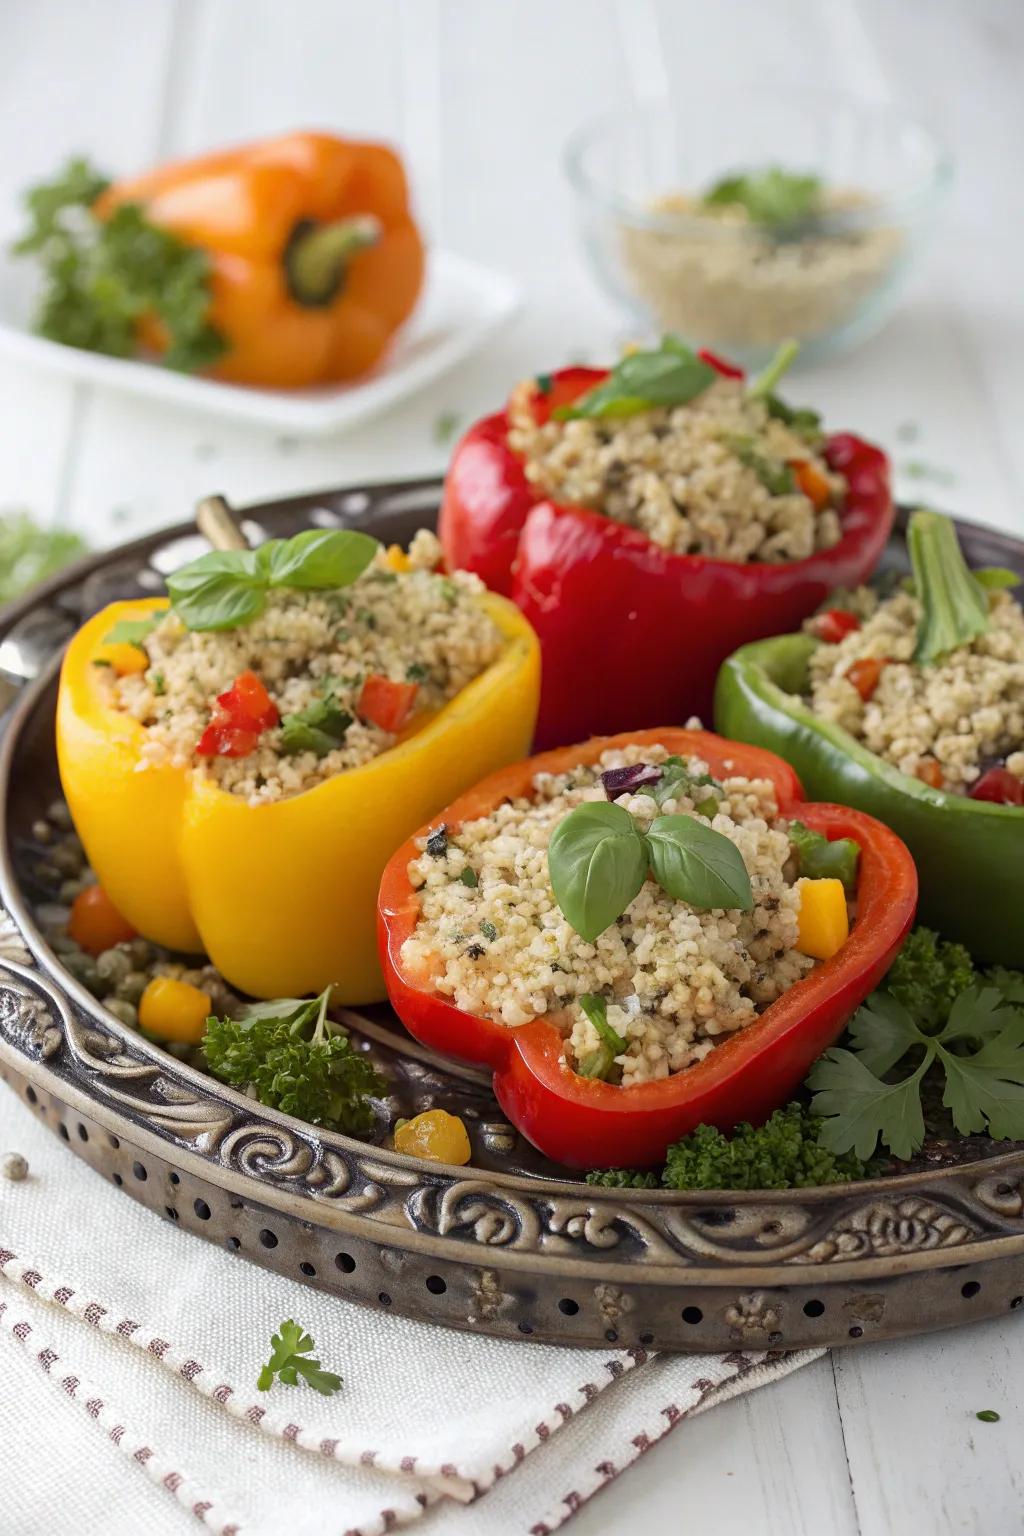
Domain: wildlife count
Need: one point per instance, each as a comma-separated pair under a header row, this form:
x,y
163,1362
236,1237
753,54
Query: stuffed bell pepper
x,y
240,764
911,707
285,263
650,519
640,935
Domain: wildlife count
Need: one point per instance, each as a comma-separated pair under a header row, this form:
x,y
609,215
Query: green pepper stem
x,y
770,376
318,254
954,606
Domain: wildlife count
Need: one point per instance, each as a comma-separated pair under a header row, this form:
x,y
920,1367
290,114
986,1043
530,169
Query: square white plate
x,y
461,305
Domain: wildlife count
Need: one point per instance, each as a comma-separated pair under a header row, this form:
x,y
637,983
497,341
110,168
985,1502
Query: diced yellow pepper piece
x,y
824,919
123,657
436,1136
396,557
174,1010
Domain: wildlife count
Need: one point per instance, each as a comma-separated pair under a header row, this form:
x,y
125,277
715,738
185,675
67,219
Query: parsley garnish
x,y
489,931
291,1361
296,1060
102,275
132,632
872,1091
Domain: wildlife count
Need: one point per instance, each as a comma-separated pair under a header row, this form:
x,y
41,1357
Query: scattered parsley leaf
x,y
446,424
319,728
470,877
988,1416
291,1361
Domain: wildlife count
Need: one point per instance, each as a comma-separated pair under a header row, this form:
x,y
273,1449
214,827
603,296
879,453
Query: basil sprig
x,y
954,604
673,375
772,197
598,859
229,587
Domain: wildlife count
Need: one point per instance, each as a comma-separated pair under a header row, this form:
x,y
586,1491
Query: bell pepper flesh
x,y
631,632
586,1123
280,896
969,853
243,206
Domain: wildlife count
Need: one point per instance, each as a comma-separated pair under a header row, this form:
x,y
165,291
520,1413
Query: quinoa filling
x,y
675,980
313,652
720,476
946,723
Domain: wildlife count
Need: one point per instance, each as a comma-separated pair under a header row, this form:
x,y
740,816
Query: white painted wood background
x,y
880,1440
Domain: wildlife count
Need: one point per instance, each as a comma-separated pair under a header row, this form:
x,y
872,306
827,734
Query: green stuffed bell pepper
x,y
969,848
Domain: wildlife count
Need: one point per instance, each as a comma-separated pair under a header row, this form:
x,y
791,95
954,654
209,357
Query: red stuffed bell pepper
x,y
631,631
586,1123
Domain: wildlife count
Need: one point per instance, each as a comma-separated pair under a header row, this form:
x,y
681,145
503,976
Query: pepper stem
x,y
954,606
318,254
770,376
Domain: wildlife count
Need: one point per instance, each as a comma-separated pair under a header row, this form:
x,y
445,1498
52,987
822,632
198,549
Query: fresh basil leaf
x,y
996,578
241,565
698,865
221,603
597,860
673,375
132,632
771,196
318,558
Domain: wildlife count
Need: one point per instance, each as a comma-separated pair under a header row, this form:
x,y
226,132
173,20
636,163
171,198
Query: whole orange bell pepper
x,y
315,260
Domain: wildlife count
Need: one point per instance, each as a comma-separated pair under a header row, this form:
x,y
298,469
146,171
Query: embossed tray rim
x,y
64,990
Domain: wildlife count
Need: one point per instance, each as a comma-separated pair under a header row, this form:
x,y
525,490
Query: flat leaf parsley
x,y
291,1361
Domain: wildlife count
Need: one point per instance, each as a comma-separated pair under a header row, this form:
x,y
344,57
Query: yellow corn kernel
x,y
824,920
436,1136
174,1010
396,557
123,657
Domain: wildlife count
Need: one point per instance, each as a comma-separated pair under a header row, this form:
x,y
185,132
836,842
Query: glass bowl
x,y
722,281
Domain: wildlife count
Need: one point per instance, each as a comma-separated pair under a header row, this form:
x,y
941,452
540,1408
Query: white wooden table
x,y
877,1440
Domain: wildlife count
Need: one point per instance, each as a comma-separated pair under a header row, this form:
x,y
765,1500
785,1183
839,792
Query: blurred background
x,y
481,99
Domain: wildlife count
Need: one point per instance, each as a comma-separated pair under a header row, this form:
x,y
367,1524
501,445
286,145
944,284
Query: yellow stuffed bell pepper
x,y
282,895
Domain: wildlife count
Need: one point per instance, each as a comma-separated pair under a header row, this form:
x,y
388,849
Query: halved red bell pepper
x,y
629,631
586,1123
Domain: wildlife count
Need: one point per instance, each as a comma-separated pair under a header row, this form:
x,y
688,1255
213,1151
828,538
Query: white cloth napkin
x,y
130,1349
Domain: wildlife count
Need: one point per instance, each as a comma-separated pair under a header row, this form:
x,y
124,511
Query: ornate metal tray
x,y
510,1245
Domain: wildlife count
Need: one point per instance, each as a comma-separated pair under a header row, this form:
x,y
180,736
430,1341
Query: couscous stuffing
x,y
318,655
675,980
946,723
720,476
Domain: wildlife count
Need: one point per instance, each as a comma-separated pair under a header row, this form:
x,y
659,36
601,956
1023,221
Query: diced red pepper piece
x,y
223,738
834,625
386,703
865,674
247,702
1000,786
244,711
812,482
720,365
929,772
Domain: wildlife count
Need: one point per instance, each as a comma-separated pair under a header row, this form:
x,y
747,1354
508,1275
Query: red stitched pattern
x,y
172,1482
94,1407
158,1347
46,1358
63,1295
95,1314
126,1328
191,1369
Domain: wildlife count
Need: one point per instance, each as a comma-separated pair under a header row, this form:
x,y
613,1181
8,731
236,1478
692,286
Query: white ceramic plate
x,y
461,305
